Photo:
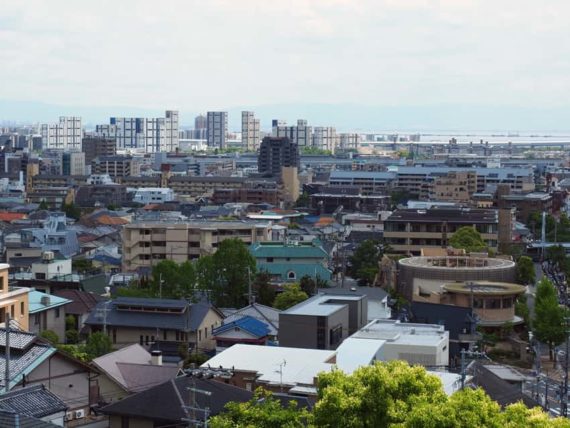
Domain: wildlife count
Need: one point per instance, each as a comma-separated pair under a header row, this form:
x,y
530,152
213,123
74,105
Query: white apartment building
x,y
63,135
217,129
250,128
301,134
325,138
149,135
153,195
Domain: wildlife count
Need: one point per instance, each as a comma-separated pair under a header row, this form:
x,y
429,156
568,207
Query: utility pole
x,y
102,312
193,419
564,394
472,354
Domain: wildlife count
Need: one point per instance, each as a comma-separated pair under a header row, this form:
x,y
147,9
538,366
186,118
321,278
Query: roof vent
x,y
45,300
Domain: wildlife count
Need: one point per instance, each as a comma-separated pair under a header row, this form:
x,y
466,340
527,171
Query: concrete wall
x,y
69,381
49,320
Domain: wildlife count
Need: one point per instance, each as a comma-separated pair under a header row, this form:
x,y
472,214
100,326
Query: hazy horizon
x,y
356,65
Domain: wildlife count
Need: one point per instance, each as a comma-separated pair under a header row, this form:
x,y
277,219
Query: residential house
x,y
242,330
81,304
35,402
130,370
266,314
47,312
33,361
145,321
13,301
289,262
168,404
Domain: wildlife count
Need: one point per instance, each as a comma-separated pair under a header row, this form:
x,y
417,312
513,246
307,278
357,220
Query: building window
x,y
1,283
57,312
199,335
165,335
141,340
22,309
124,422
291,275
12,311
114,335
269,259
37,319
335,335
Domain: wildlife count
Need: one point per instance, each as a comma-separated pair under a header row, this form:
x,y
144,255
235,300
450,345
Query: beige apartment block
x,y
13,301
147,243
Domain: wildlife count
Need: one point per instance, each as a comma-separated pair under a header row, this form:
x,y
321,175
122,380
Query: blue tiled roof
x,y
251,325
35,301
35,401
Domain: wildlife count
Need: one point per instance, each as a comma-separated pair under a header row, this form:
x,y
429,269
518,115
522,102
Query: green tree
x,y
303,200
76,351
398,197
549,317
51,336
43,205
468,239
227,273
525,271
71,337
310,285
557,255
263,288
291,295
71,210
262,411
82,266
364,262
70,322
172,280
521,310
380,395
98,344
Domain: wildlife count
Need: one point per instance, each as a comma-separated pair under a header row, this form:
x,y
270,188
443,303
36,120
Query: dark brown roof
x,y
83,301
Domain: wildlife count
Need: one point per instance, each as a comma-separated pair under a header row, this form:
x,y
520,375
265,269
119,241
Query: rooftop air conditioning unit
x,y
79,414
47,256
69,416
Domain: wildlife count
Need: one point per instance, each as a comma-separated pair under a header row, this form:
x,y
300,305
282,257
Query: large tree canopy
x,y
364,262
468,239
390,395
549,317
525,270
290,296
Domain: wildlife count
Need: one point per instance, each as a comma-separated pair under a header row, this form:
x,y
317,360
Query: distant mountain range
x,y
345,117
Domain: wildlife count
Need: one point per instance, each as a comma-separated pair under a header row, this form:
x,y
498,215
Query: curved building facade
x,y
424,275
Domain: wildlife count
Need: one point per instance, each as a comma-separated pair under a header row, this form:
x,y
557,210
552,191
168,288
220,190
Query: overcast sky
x,y
200,55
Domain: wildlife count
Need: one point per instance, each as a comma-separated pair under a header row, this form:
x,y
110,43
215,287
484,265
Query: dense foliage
x,y
549,317
468,239
525,271
364,262
290,296
392,395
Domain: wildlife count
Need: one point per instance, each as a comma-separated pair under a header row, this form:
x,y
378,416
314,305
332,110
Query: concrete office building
x,y
73,163
217,129
116,166
149,135
276,153
97,146
453,186
63,135
146,243
301,134
323,321
250,128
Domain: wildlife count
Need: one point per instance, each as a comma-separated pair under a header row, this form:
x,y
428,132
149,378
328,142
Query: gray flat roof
x,y
322,304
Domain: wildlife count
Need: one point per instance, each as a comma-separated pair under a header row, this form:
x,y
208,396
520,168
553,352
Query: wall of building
x,y
51,319
129,422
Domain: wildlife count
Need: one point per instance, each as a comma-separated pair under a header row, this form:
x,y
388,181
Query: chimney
x,y
156,358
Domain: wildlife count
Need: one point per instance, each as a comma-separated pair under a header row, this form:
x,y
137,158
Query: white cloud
x,y
196,55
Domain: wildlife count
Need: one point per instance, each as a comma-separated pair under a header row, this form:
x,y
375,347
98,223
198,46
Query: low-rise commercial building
x,y
322,321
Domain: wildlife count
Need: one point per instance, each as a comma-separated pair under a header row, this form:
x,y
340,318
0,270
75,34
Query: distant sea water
x,y
491,136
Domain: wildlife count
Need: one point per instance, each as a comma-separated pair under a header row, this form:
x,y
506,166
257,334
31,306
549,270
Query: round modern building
x,y
424,275
493,302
